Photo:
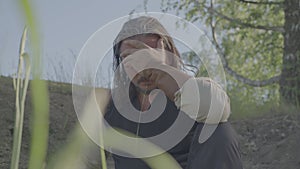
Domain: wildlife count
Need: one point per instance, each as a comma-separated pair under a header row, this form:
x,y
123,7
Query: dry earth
x,y
270,141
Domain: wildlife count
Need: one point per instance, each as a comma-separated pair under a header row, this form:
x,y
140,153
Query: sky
x,y
64,27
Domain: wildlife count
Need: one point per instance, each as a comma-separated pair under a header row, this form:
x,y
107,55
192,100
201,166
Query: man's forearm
x,y
171,81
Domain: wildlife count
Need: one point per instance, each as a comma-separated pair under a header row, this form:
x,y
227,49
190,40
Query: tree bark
x,y
290,77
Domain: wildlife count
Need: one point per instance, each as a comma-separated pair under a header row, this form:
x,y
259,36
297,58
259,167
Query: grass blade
x,y
40,115
19,116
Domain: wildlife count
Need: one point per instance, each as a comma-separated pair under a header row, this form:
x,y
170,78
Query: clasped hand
x,y
142,61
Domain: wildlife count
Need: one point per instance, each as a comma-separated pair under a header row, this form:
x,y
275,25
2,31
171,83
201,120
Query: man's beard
x,y
143,91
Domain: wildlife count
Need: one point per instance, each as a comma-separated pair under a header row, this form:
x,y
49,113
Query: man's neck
x,y
144,101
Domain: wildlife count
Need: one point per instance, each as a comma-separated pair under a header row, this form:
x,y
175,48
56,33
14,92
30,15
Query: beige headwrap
x,y
141,25
145,25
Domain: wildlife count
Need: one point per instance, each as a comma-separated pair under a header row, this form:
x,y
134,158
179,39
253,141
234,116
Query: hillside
x,y
270,141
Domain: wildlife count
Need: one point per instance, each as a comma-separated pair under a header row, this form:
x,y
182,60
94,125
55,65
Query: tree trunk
x,y
290,77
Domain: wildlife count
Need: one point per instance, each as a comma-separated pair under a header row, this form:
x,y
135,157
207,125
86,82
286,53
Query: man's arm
x,y
201,98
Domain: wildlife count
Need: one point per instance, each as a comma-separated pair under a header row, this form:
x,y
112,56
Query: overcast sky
x,y
64,25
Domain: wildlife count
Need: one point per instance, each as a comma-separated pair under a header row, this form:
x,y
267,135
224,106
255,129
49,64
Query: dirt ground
x,y
270,141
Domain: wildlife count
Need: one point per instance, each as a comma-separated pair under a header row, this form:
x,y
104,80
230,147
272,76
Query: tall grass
x,y
40,115
20,86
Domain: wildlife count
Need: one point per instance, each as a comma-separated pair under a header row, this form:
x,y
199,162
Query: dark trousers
x,y
219,151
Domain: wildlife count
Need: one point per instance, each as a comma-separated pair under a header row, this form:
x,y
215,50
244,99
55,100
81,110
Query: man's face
x,y
142,83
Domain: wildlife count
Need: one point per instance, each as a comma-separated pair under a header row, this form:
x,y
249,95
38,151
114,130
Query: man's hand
x,y
142,61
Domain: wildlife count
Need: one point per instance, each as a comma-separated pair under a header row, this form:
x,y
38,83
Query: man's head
x,y
149,31
141,27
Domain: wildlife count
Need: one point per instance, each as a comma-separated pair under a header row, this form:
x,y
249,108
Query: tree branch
x,y
239,22
262,3
241,78
254,83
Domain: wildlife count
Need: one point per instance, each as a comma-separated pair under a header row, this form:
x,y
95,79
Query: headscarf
x,y
139,26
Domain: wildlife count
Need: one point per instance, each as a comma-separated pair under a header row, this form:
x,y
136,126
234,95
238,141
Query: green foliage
x,y
247,39
40,122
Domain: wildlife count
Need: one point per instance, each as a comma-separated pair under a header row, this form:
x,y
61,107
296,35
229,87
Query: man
x,y
145,55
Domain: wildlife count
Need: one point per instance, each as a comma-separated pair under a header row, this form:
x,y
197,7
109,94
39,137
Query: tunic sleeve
x,y
203,100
